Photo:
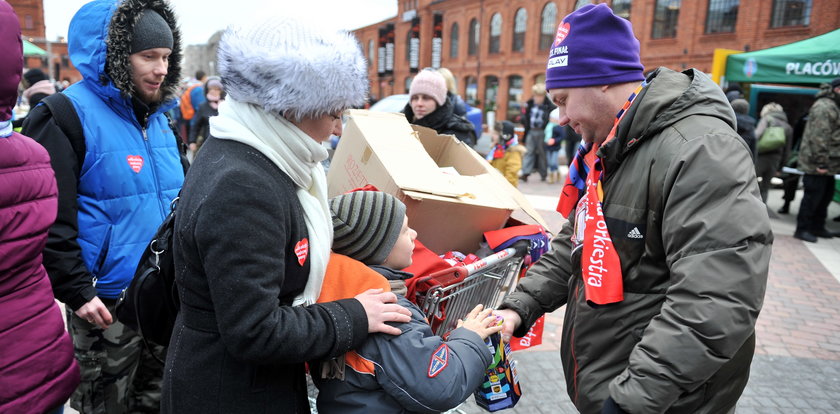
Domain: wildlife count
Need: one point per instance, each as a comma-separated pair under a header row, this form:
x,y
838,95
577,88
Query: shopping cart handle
x,y
443,277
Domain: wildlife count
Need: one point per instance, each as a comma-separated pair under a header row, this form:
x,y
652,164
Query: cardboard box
x,y
450,210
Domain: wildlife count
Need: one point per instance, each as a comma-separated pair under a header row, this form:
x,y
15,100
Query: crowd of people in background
x,y
242,153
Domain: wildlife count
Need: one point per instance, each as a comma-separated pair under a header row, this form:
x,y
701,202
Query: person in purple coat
x,y
37,369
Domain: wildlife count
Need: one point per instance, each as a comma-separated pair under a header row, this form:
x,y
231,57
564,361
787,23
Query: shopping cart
x,y
448,295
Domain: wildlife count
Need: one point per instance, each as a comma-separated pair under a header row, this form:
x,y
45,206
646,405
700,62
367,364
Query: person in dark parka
x,y
429,106
253,230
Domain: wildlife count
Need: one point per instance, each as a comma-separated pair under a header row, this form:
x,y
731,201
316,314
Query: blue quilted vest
x,y
126,183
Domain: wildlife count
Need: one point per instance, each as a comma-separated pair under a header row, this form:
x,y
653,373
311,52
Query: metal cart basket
x,y
448,295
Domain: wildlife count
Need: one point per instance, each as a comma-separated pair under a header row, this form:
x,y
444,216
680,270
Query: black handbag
x,y
150,303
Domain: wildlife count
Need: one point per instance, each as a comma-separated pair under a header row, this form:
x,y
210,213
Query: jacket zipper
x,y
151,165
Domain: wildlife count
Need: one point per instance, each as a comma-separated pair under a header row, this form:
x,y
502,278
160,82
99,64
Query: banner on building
x,y
380,52
389,49
437,40
414,46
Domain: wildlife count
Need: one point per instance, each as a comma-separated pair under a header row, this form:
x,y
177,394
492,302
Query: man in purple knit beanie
x,y
663,262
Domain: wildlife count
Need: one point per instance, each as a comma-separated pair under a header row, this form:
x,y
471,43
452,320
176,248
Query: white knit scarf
x,y
299,156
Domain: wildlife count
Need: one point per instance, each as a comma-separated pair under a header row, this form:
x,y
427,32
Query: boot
x,y
551,177
785,208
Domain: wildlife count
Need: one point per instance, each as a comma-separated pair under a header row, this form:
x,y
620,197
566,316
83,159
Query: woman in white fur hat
x,y
254,228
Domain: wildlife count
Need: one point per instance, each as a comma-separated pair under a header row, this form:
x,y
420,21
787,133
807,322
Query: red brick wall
x,y
690,48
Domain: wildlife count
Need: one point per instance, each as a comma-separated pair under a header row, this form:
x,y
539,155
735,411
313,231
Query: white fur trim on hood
x,y
294,69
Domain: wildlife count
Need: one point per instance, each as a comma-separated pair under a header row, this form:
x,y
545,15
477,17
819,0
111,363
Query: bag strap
x,y
65,116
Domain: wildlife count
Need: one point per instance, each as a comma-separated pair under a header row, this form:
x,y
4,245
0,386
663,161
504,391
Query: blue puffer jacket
x,y
131,172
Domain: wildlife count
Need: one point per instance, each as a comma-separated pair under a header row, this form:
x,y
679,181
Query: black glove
x,y
610,407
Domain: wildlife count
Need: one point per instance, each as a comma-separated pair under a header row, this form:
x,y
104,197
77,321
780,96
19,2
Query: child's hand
x,y
481,322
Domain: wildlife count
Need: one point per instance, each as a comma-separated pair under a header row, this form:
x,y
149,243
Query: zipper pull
x,y
145,137
95,279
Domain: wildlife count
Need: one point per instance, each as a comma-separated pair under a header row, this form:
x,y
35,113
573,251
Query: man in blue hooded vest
x,y
112,200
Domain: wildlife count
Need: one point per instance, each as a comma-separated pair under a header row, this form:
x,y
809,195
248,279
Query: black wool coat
x,y
238,344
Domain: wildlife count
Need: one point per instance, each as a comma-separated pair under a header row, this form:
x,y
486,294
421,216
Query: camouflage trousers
x,y
119,375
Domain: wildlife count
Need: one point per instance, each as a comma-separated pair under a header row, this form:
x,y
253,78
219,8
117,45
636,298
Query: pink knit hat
x,y
429,82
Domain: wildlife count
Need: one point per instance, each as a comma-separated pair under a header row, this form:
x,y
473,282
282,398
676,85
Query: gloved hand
x,y
610,407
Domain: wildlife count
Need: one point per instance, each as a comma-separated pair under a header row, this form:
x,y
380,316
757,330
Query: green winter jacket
x,y
684,213
820,147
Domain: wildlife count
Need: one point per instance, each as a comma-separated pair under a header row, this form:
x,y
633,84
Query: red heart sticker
x,y
135,162
562,32
302,250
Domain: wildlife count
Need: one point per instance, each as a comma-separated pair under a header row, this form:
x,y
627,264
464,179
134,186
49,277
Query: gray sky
x,y
199,19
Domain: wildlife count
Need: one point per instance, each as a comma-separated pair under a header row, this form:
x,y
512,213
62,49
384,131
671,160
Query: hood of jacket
x,y
99,44
673,97
12,52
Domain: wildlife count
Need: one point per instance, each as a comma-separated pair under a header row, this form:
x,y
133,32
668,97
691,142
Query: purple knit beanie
x,y
593,46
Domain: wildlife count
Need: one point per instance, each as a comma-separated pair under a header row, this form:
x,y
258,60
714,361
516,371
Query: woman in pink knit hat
x,y
429,106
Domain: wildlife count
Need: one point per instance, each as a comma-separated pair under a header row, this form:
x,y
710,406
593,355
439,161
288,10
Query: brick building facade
x,y
497,48
33,29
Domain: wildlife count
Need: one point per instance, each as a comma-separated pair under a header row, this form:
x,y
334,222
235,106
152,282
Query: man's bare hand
x,y
381,307
512,321
96,313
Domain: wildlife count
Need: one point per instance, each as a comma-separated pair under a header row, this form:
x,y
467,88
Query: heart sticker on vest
x,y
135,162
302,250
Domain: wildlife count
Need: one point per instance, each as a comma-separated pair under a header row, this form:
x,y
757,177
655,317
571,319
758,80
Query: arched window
x,y
453,41
514,100
491,90
520,23
548,25
495,33
408,46
371,53
475,31
471,90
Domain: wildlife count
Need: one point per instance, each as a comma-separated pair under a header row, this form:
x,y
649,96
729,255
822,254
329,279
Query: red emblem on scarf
x,y
135,162
302,250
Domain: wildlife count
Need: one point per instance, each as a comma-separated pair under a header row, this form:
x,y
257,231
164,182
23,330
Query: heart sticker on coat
x,y
302,250
135,162
562,32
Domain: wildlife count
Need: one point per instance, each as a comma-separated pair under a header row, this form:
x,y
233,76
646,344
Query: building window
x,y
548,21
495,33
491,89
65,61
665,18
371,53
408,46
475,30
520,23
721,16
27,21
581,3
514,100
453,41
471,90
621,8
791,13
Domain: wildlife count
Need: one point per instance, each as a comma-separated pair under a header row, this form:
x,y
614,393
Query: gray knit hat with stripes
x,y
366,225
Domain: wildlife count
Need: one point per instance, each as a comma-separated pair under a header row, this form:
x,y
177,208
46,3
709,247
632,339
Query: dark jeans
x,y
819,190
535,157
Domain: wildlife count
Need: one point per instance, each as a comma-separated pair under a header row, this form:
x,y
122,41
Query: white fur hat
x,y
291,68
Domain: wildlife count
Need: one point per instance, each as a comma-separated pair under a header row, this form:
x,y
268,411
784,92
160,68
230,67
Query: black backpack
x,y
150,303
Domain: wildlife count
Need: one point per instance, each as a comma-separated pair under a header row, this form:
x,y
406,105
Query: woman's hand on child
x,y
481,322
381,307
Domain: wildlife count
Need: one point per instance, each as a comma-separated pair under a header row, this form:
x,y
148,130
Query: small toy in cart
x,y
500,389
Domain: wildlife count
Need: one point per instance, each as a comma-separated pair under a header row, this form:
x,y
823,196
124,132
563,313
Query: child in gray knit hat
x,y
412,372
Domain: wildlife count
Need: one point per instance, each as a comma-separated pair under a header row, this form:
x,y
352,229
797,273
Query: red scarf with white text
x,y
600,264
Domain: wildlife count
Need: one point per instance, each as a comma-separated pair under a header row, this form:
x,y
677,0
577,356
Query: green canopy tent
x,y
30,49
810,61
